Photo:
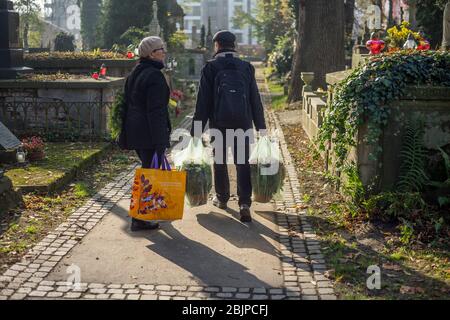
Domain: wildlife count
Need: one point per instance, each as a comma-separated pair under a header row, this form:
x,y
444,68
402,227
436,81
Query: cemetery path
x,y
209,254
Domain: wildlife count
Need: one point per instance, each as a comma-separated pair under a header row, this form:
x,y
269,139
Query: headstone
x,y
446,35
11,52
8,141
194,38
155,28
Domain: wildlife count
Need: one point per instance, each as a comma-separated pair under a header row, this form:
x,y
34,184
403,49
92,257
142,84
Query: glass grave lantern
x,y
375,45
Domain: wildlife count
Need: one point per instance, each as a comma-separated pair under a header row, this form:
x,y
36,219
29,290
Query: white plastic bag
x,y
196,161
267,170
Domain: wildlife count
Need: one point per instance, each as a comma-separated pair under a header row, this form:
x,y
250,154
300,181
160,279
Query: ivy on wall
x,y
364,97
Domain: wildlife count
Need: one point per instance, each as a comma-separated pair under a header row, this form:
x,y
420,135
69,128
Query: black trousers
x,y
240,151
146,156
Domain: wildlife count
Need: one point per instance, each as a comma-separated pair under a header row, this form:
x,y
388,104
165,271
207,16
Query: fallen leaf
x,y
390,266
411,290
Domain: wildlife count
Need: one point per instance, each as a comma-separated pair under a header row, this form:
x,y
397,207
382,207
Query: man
x,y
229,98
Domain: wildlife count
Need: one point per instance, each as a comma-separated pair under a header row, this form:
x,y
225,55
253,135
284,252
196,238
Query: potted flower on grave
x,y
34,148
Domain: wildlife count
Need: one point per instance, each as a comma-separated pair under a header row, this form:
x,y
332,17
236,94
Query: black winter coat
x,y
206,95
147,124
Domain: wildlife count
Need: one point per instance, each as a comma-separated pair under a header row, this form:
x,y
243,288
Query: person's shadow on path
x,y
238,234
205,264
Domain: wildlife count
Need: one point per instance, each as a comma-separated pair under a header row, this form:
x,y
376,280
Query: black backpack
x,y
231,101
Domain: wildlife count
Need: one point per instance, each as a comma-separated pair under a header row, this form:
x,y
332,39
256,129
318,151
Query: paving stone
x,y
96,286
328,297
244,290
179,288
310,297
39,294
164,298
168,293
103,296
18,296
195,288
276,291
229,289
325,291
260,297
243,295
54,294
179,298
98,290
44,288
163,288
129,286
278,297
24,290
224,295
309,292
115,291
133,297
146,287
131,291
259,290
118,296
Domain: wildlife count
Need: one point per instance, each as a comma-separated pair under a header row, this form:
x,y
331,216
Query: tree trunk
x,y
295,92
391,14
349,16
26,28
320,47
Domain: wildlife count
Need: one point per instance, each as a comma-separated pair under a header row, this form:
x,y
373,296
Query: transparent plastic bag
x,y
267,170
196,161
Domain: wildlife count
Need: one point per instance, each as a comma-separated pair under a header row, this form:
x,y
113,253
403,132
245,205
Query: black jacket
x,y
147,124
206,95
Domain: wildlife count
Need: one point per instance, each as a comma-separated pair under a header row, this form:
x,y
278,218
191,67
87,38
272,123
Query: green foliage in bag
x,y
196,162
198,183
266,186
267,171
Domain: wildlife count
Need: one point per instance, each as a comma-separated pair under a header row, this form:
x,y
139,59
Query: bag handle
x,y
155,162
165,164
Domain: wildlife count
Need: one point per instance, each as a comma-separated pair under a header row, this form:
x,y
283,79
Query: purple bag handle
x,y
155,162
165,163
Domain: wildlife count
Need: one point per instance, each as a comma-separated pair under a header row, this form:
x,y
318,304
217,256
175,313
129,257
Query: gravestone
x,y
446,28
8,141
11,52
155,28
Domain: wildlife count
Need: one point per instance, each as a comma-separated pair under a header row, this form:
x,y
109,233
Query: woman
x,y
147,124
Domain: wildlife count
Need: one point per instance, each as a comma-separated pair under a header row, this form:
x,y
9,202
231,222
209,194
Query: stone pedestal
x,y
11,53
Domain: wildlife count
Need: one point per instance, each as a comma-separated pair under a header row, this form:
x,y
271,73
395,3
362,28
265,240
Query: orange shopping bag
x,y
158,194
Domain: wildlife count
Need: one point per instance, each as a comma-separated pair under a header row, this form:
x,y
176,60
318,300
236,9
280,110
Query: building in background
x,y
221,13
64,15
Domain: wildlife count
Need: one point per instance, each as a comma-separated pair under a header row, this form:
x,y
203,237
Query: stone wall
x,y
116,68
81,106
432,104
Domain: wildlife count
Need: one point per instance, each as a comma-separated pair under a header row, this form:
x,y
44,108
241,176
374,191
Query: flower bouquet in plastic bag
x,y
267,170
195,160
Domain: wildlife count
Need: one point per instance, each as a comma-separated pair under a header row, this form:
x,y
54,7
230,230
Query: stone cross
x,y
11,52
155,28
446,35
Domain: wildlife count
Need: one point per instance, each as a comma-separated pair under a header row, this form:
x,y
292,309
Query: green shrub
x,y
280,59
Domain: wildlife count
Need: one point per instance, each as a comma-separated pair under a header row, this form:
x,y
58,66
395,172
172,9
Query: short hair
x,y
226,44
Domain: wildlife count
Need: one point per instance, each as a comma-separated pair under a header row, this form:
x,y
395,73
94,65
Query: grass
x,y
60,159
22,228
279,99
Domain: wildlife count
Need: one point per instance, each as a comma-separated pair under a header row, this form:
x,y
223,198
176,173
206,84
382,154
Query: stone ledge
x,y
110,82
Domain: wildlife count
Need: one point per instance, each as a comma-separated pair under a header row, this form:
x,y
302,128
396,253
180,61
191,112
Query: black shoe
x,y
139,225
219,204
245,213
